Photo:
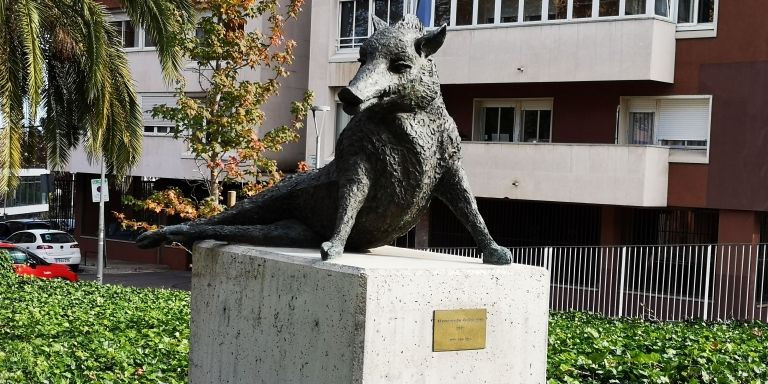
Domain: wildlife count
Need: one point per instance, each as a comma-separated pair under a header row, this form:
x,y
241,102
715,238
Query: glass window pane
x,y
706,11
381,9
530,126
395,11
532,10
131,38
558,9
361,19
509,9
635,7
148,42
545,126
609,8
641,128
442,12
685,11
485,10
662,8
347,23
118,26
582,9
342,119
507,124
491,124
463,12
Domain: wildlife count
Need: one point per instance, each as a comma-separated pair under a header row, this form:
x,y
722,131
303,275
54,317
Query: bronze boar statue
x,y
400,150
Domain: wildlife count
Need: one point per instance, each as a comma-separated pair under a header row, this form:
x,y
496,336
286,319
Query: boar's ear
x,y
379,24
431,41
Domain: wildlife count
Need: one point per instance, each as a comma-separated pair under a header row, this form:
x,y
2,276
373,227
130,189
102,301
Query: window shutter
x,y
683,119
537,105
149,102
642,105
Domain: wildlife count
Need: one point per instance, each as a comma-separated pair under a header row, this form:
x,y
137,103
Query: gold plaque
x,y
459,330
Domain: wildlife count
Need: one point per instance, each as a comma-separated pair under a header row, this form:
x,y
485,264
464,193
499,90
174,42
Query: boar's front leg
x,y
354,182
453,189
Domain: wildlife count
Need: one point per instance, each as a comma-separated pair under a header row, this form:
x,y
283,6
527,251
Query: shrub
x,y
590,349
60,332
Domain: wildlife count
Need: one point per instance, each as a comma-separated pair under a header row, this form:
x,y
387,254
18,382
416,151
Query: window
x,y
635,7
156,126
582,8
609,8
696,12
158,130
558,9
342,119
509,9
526,120
355,17
537,126
132,36
676,122
127,32
532,10
485,11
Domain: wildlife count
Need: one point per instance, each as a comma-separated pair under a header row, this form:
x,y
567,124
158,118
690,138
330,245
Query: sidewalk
x,y
115,267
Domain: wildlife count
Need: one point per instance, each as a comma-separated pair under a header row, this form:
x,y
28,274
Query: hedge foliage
x,y
61,332
590,349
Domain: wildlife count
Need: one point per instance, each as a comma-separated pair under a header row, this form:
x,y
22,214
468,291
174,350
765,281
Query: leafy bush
x,y
590,349
60,332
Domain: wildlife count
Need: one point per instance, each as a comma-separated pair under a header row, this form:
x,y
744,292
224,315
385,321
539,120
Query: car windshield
x,y
56,238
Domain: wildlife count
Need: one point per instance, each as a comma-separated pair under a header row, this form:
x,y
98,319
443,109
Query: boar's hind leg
x,y
286,233
454,191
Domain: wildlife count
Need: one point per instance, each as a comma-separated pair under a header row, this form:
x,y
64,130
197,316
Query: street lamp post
x,y
315,109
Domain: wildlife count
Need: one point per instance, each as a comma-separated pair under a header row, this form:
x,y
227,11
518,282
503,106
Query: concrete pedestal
x,y
278,315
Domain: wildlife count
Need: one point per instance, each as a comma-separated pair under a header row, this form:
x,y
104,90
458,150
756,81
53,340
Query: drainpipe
x,y
616,131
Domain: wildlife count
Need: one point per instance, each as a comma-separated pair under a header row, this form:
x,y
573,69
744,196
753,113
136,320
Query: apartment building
x,y
166,161
585,122
30,198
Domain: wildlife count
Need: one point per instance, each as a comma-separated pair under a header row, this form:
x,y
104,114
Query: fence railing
x,y
718,282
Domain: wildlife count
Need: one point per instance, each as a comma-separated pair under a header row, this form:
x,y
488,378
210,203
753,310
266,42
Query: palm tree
x,y
64,55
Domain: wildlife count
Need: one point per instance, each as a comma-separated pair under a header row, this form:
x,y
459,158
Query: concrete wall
x,y
577,173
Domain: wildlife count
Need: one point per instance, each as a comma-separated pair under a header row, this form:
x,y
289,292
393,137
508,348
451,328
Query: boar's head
x,y
396,71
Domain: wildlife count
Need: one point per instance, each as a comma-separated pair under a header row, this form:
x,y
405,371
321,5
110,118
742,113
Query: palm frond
x,y
12,92
29,23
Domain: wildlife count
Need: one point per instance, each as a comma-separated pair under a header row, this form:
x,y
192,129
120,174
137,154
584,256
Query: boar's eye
x,y
399,66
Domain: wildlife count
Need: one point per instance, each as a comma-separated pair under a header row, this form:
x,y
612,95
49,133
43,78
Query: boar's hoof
x,y
330,250
496,255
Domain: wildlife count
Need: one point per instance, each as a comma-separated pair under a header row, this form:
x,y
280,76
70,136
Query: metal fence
x,y
718,282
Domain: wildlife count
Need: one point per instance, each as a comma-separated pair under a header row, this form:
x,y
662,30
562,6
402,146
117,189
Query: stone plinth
x,y
278,315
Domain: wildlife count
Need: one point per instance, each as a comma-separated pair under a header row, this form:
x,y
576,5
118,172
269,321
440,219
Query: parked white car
x,y
52,246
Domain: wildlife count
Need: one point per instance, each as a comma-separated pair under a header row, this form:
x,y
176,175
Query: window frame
x,y
519,105
696,29
123,17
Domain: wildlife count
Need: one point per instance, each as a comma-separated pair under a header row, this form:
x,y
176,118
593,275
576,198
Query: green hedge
x,y
60,332
590,349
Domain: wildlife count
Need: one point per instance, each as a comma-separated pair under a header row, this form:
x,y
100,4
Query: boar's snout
x,y
350,100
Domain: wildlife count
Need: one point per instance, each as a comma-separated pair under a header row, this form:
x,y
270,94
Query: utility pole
x,y
100,252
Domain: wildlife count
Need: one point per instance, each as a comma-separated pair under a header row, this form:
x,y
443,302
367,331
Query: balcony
x,y
597,49
629,175
594,50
